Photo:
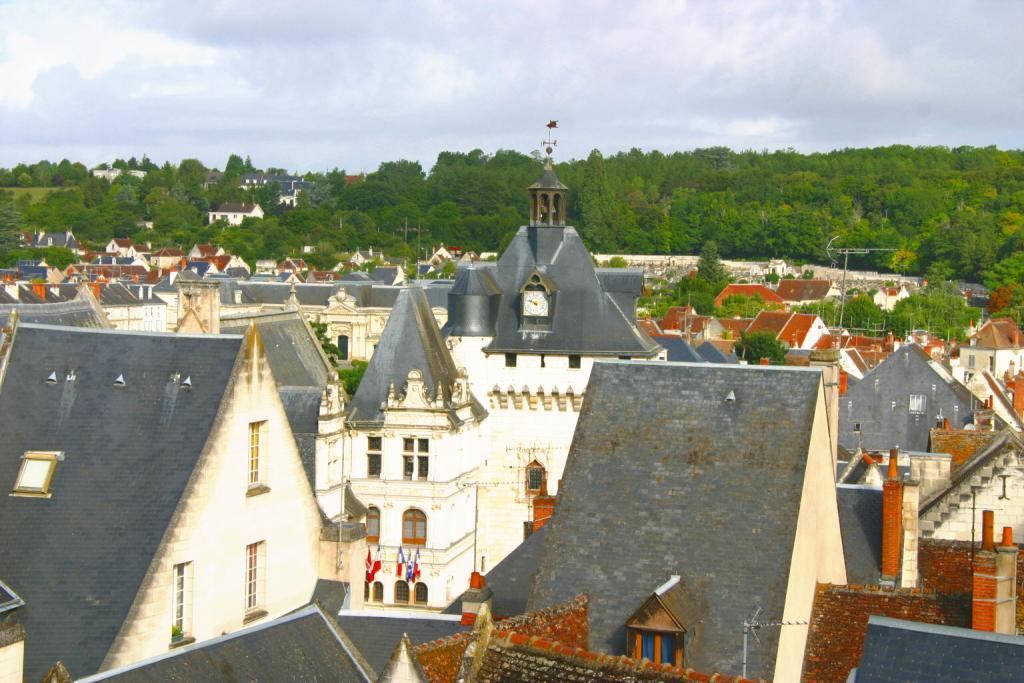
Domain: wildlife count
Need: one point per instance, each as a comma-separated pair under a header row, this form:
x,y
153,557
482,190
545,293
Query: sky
x,y
329,84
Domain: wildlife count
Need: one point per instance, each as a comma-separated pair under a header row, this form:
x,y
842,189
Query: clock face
x,y
535,304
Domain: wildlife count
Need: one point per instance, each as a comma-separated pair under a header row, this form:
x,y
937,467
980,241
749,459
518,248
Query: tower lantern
x,y
548,195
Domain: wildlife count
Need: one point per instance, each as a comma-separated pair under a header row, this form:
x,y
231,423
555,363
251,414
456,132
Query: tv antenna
x,y
549,144
833,253
752,624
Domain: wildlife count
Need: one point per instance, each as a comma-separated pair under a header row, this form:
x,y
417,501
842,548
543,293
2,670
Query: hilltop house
x,y
234,213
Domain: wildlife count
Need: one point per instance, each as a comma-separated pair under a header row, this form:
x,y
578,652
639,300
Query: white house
x,y
234,213
887,297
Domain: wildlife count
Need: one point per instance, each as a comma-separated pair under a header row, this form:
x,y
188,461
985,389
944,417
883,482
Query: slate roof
x,y
410,340
511,580
686,471
79,557
911,652
860,520
302,646
679,350
710,353
294,354
907,371
81,312
376,635
585,317
795,291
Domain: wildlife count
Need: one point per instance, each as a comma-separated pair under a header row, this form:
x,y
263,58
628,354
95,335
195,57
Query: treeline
x,y
944,213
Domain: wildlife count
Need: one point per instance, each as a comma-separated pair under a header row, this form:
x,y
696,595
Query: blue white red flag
x,y
401,562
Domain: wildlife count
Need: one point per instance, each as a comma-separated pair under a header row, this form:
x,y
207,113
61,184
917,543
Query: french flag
x,y
416,567
372,569
401,562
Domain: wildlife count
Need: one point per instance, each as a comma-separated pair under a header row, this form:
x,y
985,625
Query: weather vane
x,y
549,144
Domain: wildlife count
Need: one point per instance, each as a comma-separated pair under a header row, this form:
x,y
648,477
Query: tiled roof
x,y
375,635
233,207
748,290
695,481
302,646
773,322
79,557
802,290
961,444
999,333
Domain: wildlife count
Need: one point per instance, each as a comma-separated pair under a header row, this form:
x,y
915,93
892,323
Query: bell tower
x,y
548,195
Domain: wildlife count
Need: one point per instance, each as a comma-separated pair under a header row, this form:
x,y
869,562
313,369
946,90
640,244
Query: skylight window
x,y
35,474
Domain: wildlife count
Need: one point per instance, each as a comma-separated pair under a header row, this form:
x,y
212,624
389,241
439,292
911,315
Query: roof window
x,y
35,473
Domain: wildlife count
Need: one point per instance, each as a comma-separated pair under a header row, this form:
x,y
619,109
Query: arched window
x,y
401,592
421,593
534,477
414,527
373,525
378,591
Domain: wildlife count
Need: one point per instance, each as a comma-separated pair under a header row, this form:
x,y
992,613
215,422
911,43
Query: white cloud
x,y
322,84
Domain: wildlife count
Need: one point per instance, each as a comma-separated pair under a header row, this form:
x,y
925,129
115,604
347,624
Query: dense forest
x,y
946,213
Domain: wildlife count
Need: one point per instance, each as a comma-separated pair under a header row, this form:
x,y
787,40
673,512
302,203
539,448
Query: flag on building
x,y
374,567
416,567
401,562
409,569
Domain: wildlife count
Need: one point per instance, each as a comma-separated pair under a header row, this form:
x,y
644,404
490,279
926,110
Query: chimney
x,y
945,423
12,652
994,584
908,560
543,505
844,382
478,595
892,521
39,289
1017,387
765,361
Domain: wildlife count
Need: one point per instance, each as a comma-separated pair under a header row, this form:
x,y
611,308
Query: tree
x,y
10,228
754,346
617,262
352,376
710,268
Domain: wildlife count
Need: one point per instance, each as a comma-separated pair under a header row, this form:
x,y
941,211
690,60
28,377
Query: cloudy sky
x,y
316,85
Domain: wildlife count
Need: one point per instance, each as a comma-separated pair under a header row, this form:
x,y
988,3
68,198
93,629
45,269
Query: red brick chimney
x,y
543,505
892,520
1016,385
994,584
844,382
478,595
39,289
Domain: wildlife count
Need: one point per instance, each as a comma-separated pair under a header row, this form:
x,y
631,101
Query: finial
x,y
549,144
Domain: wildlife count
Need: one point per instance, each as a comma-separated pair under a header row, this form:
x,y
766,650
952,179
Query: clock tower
x,y
547,199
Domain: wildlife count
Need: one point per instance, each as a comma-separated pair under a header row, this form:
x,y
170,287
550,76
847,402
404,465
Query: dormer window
x,y
537,300
35,474
656,631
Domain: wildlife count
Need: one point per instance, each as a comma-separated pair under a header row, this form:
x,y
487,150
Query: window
x,y
366,591
574,362
421,593
401,592
35,474
343,346
255,463
414,527
373,449
373,525
415,458
378,591
534,477
181,624
917,404
970,361
510,360
656,646
255,580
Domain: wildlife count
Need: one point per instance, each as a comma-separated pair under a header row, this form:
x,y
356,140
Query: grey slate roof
x,y
712,354
898,651
302,646
78,558
679,350
860,520
689,485
869,403
512,578
81,312
410,340
585,318
376,636
294,354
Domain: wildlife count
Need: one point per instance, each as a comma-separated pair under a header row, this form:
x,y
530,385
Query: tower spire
x,y
548,195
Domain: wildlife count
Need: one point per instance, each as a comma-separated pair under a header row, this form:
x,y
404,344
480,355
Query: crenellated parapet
x,y
539,398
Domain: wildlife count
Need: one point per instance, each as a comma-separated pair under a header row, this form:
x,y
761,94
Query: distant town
x,y
423,460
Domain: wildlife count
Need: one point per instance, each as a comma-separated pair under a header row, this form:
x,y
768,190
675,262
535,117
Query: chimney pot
x,y
945,423
1007,537
476,580
894,464
988,530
